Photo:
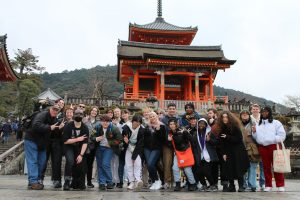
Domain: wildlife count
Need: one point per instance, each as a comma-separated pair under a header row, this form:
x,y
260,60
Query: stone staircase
x,y
4,147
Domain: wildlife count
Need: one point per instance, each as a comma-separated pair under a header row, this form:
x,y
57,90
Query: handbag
x,y
281,159
184,158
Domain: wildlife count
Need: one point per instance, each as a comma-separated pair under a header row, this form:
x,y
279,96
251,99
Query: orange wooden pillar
x,y
197,87
185,88
157,85
189,89
136,84
162,88
211,88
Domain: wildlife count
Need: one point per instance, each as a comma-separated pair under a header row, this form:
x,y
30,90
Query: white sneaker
x,y
139,185
281,189
153,186
158,185
131,186
267,189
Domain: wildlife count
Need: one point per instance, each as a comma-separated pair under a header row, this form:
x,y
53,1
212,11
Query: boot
x,y
231,188
177,187
225,188
192,187
67,185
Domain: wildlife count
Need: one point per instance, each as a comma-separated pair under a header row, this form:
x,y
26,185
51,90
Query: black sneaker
x,y
212,188
253,189
57,184
192,187
231,188
203,188
90,185
119,185
177,187
225,188
110,186
102,187
67,185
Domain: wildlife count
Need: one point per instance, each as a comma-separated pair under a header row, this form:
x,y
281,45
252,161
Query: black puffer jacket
x,y
40,130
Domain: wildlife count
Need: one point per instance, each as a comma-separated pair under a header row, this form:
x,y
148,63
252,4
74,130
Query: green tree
x,y
26,65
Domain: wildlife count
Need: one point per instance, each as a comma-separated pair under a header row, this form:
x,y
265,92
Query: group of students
x,y
154,148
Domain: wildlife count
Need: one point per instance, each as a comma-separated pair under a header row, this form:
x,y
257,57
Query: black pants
x,y
90,157
240,182
72,169
54,150
205,171
121,165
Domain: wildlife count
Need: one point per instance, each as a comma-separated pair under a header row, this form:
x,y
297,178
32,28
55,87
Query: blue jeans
x,y
152,157
36,161
187,170
251,182
103,158
261,175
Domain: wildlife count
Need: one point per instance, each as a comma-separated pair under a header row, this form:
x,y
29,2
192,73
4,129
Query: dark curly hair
x,y
233,123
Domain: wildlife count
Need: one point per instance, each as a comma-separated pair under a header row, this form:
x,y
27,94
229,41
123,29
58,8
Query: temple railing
x,y
11,154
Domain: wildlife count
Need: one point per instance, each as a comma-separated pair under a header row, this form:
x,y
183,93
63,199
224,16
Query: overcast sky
x,y
262,35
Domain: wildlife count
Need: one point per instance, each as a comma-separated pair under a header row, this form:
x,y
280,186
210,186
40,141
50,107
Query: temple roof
x,y
6,71
139,50
161,24
48,94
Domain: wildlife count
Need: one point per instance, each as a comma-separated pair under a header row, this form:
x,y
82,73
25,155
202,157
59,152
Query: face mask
x,y
78,119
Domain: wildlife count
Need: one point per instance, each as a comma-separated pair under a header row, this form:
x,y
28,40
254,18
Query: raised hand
x,y
54,126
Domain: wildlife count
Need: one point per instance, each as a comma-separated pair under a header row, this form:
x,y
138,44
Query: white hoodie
x,y
269,133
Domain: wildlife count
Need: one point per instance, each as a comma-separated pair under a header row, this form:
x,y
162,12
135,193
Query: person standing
x,y
189,111
167,147
133,136
36,138
255,117
181,140
91,122
154,138
75,138
6,130
236,162
267,133
203,144
108,139
252,149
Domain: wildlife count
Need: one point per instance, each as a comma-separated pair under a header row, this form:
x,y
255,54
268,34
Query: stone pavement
x,y
15,187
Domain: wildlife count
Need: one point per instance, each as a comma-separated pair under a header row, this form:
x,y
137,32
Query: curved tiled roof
x,y
161,24
6,70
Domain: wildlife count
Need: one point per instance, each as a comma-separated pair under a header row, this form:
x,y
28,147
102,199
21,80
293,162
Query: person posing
x,y
236,162
108,139
167,147
255,117
35,143
154,139
115,159
124,121
133,135
212,115
252,149
189,110
75,137
91,122
267,133
54,149
203,143
181,140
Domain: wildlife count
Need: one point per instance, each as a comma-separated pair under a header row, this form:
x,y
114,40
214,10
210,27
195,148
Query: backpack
x,y
27,122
